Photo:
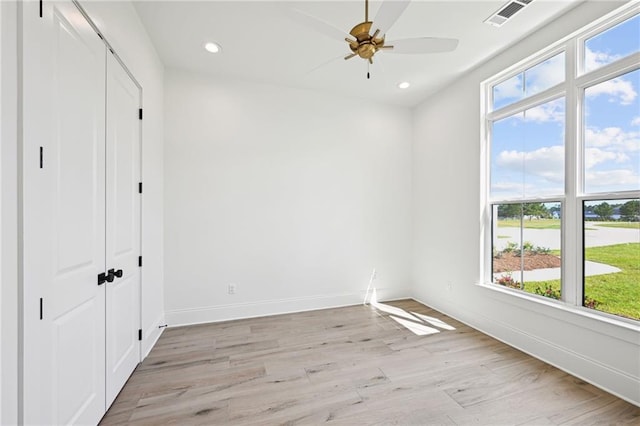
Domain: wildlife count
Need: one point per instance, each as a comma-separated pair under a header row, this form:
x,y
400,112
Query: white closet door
x,y
64,211
123,227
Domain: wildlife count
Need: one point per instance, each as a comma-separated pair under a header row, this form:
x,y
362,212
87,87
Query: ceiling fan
x,y
364,43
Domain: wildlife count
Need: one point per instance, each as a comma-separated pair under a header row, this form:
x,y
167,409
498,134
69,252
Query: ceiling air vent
x,y
506,12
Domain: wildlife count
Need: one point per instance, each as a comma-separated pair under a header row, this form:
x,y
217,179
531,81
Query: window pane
x,y
617,42
507,158
526,247
612,135
612,256
544,75
527,153
533,80
508,92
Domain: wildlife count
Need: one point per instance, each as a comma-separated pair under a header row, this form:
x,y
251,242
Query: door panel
x,y
123,226
77,124
78,224
75,376
123,341
64,240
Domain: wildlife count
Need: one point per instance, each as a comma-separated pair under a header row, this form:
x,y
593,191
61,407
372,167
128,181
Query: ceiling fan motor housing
x,y
366,45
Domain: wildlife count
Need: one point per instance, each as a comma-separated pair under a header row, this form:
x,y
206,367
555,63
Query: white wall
x,y
122,27
292,195
446,229
9,344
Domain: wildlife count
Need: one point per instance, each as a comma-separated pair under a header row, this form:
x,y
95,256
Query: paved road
x,y
594,237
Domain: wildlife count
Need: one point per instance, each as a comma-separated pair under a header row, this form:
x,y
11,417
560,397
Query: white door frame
x,y
10,322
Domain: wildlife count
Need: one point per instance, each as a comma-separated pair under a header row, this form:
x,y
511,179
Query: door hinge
x,y
41,8
41,157
140,334
140,261
140,187
140,113
41,309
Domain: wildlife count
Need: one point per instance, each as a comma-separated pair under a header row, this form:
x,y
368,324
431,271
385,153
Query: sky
x,y
527,150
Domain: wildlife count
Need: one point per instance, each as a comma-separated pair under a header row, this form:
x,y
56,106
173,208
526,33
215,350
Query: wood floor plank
x,y
392,405
353,365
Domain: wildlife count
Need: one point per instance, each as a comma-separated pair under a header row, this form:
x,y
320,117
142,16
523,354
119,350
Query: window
x,y
539,77
611,230
562,164
527,152
610,45
611,137
527,247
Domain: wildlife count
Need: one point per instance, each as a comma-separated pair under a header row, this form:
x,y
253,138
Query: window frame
x,y
571,202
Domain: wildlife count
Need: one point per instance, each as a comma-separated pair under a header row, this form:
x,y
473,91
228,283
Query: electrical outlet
x,y
232,289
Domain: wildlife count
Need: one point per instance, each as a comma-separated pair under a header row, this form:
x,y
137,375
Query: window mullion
x,y
528,103
610,195
609,71
571,213
486,231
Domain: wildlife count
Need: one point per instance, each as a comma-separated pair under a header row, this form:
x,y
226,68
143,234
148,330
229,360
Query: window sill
x,y
622,329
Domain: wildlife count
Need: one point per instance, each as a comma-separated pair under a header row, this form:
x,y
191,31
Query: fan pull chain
x,y
368,75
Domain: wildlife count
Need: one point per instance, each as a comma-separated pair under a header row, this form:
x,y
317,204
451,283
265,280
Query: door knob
x,y
118,273
110,276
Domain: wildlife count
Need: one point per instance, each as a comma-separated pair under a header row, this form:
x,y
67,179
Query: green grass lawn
x,y
618,293
631,225
532,224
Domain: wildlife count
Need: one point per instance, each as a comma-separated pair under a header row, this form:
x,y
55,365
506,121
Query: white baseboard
x,y
257,309
592,371
151,335
267,307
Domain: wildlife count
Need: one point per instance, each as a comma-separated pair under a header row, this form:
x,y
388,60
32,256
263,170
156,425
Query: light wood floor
x,y
353,365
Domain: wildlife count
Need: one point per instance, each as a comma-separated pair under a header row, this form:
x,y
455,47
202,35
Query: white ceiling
x,y
262,44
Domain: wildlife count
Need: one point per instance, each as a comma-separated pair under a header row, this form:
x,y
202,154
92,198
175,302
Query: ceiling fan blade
x,y
317,24
422,45
322,65
388,14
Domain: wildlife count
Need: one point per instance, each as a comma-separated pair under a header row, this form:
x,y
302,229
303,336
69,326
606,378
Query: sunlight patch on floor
x,y
434,321
414,327
392,310
412,321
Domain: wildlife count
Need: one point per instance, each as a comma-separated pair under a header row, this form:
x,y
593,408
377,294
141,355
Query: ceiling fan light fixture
x,y
367,38
212,47
404,85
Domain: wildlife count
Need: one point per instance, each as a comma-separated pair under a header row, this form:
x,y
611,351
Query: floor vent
x,y
506,12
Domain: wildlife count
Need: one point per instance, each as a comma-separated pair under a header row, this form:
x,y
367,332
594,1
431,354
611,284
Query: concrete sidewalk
x,y
545,274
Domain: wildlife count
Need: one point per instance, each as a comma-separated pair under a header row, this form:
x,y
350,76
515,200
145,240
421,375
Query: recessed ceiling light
x,y
212,47
403,85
